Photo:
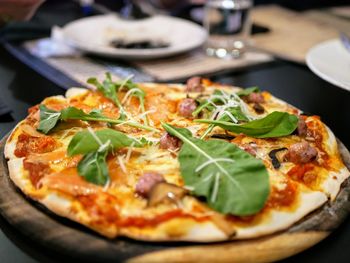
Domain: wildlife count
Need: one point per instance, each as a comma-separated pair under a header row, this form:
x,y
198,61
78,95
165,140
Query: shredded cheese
x,y
120,159
128,94
125,81
231,100
128,154
92,132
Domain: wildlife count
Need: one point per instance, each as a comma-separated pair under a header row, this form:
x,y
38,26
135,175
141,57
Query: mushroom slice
x,y
277,156
166,193
225,136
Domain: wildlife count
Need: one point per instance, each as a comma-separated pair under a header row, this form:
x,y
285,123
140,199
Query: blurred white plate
x,y
93,35
331,61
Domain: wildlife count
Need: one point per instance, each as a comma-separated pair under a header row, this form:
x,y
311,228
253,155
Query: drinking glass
x,y
228,25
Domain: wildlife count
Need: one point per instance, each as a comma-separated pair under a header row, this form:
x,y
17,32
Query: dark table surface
x,y
21,87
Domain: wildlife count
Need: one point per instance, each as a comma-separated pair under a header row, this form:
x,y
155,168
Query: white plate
x,y
331,61
93,35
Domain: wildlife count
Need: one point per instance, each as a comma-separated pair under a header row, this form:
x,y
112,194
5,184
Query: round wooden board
x,y
77,242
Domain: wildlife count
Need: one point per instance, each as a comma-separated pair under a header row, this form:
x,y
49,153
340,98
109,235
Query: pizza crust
x,y
9,150
10,146
279,220
73,92
334,180
177,229
16,173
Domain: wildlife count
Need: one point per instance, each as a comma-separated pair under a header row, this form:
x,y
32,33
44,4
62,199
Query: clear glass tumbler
x,y
228,25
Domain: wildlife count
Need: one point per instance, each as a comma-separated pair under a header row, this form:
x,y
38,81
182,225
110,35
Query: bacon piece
x,y
33,115
194,84
36,170
169,142
162,106
27,144
301,152
187,107
146,183
68,181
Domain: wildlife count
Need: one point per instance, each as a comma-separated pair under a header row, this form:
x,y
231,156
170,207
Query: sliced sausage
x,y
194,84
301,152
302,128
187,107
254,97
146,182
258,108
169,142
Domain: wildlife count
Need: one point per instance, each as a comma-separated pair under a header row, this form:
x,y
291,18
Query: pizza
x,y
200,161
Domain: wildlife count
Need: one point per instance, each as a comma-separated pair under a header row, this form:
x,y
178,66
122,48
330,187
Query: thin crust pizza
x,y
168,162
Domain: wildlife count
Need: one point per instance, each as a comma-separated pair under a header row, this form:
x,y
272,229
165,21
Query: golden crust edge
x,y
330,185
10,144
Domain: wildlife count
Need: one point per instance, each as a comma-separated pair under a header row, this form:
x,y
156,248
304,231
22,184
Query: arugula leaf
x,y
95,147
107,88
72,113
235,112
86,142
222,106
247,91
231,180
208,103
276,124
48,119
96,115
93,167
110,90
217,99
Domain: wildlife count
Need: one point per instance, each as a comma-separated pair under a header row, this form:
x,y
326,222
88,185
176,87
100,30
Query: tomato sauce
x,y
27,144
299,171
282,197
156,220
36,170
108,213
102,211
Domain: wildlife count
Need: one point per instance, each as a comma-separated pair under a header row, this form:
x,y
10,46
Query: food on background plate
x,y
196,162
138,44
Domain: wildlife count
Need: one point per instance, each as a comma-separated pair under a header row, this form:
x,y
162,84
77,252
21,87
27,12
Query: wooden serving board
x,y
66,238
